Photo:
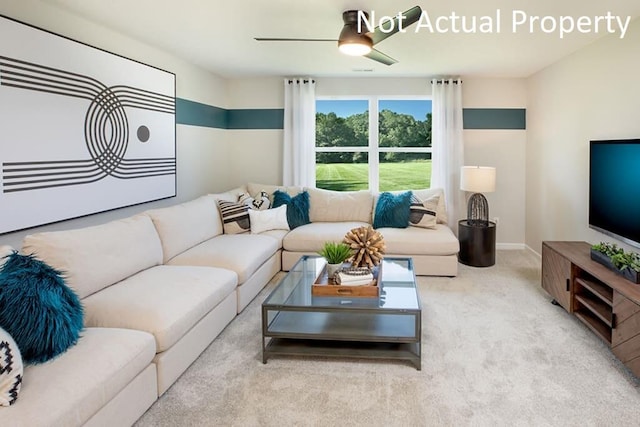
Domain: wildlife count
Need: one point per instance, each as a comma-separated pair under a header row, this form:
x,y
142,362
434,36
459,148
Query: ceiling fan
x,y
361,43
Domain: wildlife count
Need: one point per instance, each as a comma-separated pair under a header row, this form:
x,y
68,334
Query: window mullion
x,y
374,158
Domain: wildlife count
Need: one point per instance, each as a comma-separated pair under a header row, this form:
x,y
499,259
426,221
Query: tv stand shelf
x,y
608,304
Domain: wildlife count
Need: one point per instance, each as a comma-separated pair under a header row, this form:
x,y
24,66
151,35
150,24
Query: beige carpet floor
x,y
495,352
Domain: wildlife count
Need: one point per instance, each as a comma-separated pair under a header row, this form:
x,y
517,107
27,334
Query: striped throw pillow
x,y
235,217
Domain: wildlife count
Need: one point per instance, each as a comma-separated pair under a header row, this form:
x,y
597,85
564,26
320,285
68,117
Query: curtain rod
x,y
448,81
303,81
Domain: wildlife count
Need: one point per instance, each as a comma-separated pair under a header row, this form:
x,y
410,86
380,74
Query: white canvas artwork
x,y
82,130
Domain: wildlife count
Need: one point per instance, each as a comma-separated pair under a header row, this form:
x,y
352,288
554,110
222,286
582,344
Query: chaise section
x,y
420,241
105,365
434,251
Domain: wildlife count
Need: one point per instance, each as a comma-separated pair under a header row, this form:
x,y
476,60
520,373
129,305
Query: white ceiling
x,y
219,35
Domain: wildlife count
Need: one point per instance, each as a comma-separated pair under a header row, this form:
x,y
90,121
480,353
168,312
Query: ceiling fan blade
x,y
376,55
276,39
411,17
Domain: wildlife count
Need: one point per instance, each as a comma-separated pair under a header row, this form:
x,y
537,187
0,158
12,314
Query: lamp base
x,y
478,210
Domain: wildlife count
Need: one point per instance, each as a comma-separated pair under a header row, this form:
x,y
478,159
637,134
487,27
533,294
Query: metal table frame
x,y
306,325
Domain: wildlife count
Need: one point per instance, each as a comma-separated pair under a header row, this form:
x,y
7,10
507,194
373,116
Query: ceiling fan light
x,y
353,43
354,48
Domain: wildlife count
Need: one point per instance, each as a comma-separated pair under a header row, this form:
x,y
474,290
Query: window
x,y
377,143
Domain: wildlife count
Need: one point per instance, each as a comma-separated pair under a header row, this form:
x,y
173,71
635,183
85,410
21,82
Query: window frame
x,y
373,149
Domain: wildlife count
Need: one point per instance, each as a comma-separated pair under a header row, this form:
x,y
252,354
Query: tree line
x,y
395,130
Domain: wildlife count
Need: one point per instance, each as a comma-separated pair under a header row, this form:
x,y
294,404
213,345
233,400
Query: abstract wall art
x,y
82,130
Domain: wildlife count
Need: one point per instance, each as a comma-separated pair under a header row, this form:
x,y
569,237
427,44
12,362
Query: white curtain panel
x,y
448,145
299,132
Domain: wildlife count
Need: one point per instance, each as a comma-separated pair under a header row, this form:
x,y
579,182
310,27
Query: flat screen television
x,y
614,189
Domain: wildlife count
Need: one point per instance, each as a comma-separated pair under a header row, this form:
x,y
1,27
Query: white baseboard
x,y
510,246
517,247
530,249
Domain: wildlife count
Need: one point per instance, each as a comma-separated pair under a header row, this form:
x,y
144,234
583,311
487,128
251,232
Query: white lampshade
x,y
478,179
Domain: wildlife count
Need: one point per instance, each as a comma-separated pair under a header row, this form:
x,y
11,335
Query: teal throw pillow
x,y
392,210
37,309
297,207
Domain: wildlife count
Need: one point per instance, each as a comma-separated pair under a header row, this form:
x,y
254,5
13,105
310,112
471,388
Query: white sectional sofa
x,y
158,287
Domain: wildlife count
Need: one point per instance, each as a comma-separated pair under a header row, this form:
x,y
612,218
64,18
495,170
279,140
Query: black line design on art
x,y
106,129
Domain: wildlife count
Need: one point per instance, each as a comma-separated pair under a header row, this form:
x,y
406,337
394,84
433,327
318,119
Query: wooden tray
x,y
325,288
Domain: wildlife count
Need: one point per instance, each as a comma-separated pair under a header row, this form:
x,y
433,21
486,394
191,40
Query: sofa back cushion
x,y
94,258
4,251
254,188
232,195
183,226
338,206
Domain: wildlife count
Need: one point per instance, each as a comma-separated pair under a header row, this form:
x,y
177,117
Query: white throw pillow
x,y
271,219
10,369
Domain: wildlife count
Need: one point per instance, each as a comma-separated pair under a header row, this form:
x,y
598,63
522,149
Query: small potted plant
x,y
335,254
627,264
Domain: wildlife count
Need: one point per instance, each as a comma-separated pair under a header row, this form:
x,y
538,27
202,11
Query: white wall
x,y
202,153
259,152
592,94
503,149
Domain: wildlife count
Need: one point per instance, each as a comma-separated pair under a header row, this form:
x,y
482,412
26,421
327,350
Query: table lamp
x,y
478,180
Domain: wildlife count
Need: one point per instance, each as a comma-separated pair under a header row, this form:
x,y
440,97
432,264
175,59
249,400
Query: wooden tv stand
x,y
604,301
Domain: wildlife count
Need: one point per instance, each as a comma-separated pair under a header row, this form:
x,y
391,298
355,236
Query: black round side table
x,y
477,243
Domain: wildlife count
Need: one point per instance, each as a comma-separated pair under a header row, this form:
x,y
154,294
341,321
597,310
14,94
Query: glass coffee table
x,y
297,323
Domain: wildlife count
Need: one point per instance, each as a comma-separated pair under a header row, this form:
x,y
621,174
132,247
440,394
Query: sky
x,y
344,108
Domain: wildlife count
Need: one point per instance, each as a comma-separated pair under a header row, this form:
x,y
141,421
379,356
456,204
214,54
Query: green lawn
x,y
393,176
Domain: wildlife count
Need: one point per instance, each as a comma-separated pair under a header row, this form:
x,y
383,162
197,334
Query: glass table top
x,y
397,288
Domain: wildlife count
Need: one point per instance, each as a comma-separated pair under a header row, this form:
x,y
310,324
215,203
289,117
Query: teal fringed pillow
x,y
297,207
37,309
392,210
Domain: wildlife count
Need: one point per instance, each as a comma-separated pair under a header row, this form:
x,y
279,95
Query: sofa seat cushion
x,y
279,235
311,237
95,257
70,389
241,253
183,226
166,301
420,241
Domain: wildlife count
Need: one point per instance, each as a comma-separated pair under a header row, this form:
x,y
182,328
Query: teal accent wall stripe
x,y
494,118
272,118
197,114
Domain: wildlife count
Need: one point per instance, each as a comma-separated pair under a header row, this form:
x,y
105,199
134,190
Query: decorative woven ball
x,y
367,245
